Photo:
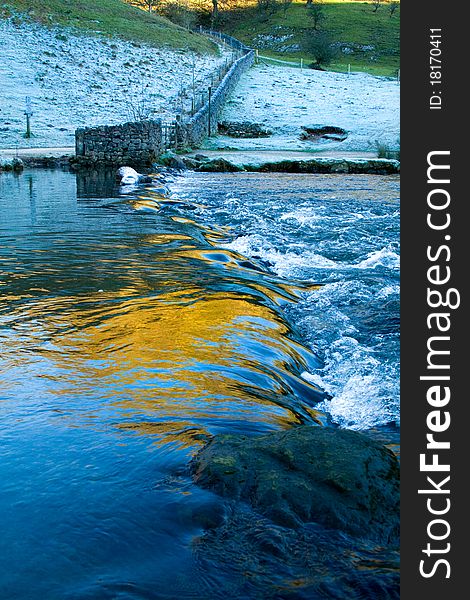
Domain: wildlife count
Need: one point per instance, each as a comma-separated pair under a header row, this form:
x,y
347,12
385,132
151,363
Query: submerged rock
x,y
338,478
307,563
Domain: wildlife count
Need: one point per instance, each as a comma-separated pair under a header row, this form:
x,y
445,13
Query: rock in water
x,y
172,161
338,478
15,164
128,176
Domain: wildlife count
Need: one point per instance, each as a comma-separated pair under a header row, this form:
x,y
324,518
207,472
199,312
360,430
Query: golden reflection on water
x,y
165,356
162,361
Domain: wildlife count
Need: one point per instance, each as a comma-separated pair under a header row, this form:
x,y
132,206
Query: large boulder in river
x,y
129,176
340,479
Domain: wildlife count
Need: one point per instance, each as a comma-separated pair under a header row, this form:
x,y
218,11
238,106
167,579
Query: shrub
x,y
320,46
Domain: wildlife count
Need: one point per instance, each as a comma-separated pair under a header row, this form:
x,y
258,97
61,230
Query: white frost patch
x,y
285,98
78,81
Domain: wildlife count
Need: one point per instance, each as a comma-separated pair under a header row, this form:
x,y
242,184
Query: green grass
x,y
273,58
348,22
109,18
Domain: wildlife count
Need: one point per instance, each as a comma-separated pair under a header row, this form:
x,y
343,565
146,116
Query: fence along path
x,y
194,96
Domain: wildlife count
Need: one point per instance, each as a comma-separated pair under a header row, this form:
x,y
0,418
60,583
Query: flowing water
x,y
134,326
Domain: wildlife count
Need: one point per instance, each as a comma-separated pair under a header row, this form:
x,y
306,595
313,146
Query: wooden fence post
x,y
28,112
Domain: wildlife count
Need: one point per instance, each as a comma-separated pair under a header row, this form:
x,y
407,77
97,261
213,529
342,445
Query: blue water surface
x,y
134,327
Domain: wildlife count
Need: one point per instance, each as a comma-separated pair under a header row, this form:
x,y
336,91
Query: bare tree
x,y
393,7
139,103
215,11
151,4
376,4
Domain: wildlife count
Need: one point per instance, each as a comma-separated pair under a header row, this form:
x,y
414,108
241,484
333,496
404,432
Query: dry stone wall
x,y
205,121
140,143
137,143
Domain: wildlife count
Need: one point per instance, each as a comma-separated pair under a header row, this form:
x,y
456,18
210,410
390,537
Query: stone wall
x,y
132,144
204,122
140,143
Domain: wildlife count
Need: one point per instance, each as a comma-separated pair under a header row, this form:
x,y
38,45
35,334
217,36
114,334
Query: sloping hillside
x,y
107,18
77,73
364,33
366,39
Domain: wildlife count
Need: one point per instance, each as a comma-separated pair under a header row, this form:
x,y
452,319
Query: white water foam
x,y
386,257
283,264
362,389
361,378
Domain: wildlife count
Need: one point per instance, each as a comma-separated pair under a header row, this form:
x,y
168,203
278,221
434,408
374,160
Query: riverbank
x,y
304,163
216,162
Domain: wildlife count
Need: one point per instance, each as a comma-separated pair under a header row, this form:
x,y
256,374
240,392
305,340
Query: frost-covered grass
x,y
358,66
284,99
108,18
78,81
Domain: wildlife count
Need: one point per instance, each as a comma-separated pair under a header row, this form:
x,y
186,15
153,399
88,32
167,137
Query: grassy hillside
x,y
108,18
353,25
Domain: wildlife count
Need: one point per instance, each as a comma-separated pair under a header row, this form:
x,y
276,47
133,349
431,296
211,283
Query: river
x,y
133,327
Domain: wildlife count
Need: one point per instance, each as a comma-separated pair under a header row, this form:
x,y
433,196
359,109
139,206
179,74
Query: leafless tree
x,y
139,104
151,4
393,8
376,4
